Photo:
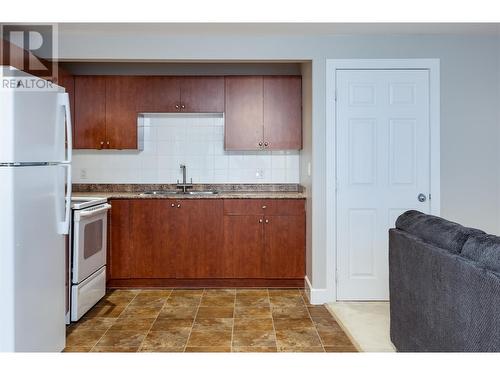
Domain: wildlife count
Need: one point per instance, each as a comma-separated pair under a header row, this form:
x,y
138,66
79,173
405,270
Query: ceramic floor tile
x,y
254,349
207,320
84,338
208,349
178,312
106,310
132,323
254,338
251,323
286,323
77,349
172,338
91,323
252,312
120,339
155,293
252,292
286,301
166,324
139,311
215,312
292,338
218,301
290,312
210,337
212,323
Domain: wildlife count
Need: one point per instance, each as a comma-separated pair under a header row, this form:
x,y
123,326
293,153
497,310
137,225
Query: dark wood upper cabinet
x,y
163,94
90,112
263,113
244,123
282,113
122,94
202,94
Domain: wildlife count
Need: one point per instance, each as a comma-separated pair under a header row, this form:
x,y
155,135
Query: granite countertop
x,y
225,191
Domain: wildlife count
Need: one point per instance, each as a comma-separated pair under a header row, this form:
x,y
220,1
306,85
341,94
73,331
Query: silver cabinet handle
x,y
183,106
260,144
421,197
267,221
264,207
173,205
107,143
177,106
266,144
260,220
178,206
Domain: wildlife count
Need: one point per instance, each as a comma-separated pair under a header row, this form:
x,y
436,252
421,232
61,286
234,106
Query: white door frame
x,y
433,66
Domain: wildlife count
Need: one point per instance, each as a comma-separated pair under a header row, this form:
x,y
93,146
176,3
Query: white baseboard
x,y
316,296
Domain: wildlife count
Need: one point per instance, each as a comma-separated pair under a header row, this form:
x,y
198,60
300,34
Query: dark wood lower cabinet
x,y
203,243
243,240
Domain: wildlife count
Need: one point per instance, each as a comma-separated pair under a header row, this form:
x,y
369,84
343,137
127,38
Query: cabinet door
x,y
122,94
90,112
159,94
201,253
202,94
168,228
244,113
120,256
284,246
244,236
282,113
142,231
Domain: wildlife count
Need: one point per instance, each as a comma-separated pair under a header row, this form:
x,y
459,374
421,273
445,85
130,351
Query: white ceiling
x,y
255,29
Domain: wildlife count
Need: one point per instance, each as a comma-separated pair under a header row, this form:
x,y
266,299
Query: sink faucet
x,y
184,186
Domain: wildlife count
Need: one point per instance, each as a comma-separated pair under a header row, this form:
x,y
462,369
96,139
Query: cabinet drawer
x,y
283,207
243,207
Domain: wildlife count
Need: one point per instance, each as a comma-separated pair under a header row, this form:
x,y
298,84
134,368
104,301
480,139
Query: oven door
x,y
89,241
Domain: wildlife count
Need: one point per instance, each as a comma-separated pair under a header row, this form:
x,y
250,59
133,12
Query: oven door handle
x,y
104,207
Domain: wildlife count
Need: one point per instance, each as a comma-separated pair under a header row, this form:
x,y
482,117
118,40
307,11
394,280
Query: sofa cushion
x,y
484,249
438,231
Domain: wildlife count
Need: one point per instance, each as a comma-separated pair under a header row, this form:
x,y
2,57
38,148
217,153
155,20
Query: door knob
x,y
266,144
260,220
183,106
177,106
173,205
260,144
421,197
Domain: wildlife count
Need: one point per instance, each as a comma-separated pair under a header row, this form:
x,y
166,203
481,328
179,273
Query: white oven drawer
x,y
86,294
89,241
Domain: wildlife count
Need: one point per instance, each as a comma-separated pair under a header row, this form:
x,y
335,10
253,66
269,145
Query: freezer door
x,y
32,259
33,126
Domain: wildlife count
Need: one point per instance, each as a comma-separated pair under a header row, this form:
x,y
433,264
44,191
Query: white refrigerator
x,y
35,194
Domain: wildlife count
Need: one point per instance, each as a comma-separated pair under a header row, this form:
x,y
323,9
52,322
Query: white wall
x,y
469,103
196,141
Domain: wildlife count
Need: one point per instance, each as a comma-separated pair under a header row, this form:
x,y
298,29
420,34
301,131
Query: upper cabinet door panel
x,y
202,94
166,94
282,113
244,109
122,94
90,112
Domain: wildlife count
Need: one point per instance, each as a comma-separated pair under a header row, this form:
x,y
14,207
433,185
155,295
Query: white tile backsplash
x,y
194,140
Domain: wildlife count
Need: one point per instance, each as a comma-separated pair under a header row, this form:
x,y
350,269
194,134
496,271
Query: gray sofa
x,y
444,286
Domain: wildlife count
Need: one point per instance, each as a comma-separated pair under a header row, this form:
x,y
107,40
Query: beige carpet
x,y
367,324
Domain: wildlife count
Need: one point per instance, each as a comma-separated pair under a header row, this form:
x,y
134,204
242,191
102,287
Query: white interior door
x,y
383,165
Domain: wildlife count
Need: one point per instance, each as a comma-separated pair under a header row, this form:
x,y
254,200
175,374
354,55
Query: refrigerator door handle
x,y
64,97
64,225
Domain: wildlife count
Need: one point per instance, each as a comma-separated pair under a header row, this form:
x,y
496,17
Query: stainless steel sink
x,y
173,192
160,192
207,192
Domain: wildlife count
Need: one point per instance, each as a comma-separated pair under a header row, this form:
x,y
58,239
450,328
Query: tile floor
x,y
207,320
